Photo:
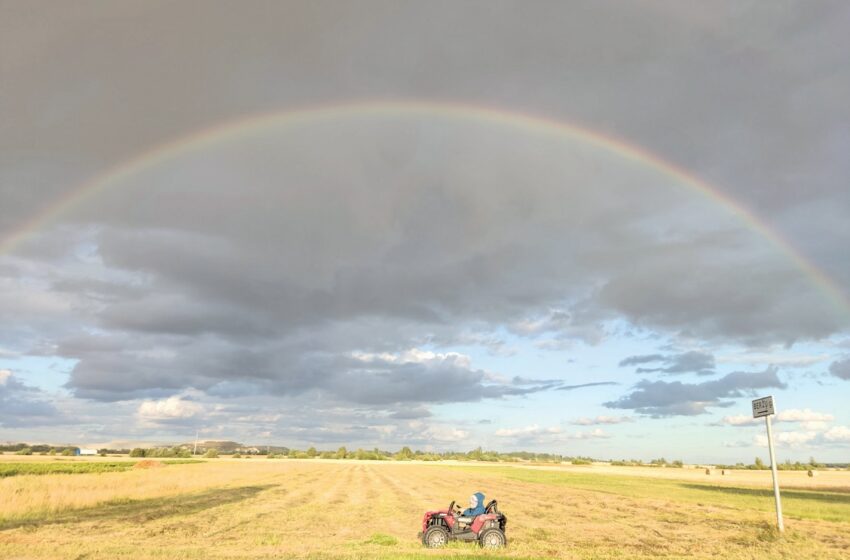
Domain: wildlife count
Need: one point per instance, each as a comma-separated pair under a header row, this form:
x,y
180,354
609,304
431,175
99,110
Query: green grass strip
x,y
77,467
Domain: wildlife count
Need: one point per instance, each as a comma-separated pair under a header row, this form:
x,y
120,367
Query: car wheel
x,y
435,537
492,538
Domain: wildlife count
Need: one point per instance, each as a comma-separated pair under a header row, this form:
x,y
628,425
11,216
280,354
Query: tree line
x,y
404,454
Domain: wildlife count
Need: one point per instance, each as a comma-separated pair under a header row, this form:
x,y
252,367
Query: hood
x,y
480,497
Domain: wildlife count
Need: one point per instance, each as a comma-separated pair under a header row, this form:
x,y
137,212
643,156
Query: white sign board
x,y
763,407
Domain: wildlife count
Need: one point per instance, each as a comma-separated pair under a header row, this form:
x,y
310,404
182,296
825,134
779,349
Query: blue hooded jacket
x,y
478,509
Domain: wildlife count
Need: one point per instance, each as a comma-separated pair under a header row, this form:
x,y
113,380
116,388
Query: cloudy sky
x,y
595,228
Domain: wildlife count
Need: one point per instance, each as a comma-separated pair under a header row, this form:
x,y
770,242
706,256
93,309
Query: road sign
x,y
763,407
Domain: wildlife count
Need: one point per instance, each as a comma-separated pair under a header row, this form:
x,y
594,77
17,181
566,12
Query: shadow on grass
x,y
141,511
828,497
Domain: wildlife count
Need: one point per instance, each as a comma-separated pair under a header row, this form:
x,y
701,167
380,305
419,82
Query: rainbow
x,y
243,126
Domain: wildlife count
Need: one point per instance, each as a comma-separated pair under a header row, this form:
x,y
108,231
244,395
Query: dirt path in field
x,y
283,508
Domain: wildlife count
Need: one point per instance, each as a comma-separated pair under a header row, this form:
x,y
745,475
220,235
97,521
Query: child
x,y
476,505
476,508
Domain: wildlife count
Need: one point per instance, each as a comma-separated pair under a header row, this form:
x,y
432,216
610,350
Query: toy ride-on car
x,y
441,526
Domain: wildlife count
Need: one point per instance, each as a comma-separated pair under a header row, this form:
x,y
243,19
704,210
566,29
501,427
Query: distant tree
x,y
212,453
312,452
405,454
137,452
759,464
102,452
341,453
67,452
24,451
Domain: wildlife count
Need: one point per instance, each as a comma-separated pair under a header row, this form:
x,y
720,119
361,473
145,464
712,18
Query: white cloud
x,y
740,420
837,434
5,374
172,408
538,434
811,433
807,418
414,356
445,434
792,439
788,439
603,420
528,431
598,433
803,415
438,433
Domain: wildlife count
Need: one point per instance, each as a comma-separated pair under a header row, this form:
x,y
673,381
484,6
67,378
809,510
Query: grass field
x,y
261,508
59,466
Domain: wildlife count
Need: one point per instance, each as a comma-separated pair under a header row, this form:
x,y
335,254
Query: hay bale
x,y
812,473
723,472
708,471
148,464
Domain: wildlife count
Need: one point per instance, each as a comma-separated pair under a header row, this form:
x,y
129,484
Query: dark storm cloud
x,y
645,359
260,267
276,296
440,380
412,413
661,398
519,380
119,366
155,366
840,369
748,97
693,361
22,405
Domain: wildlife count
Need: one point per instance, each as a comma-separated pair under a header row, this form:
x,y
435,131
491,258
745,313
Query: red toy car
x,y
441,526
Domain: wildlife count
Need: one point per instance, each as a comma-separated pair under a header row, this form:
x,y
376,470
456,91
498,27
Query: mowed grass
x,y
345,509
803,503
19,468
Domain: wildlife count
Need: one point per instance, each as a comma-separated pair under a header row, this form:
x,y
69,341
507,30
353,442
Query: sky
x,y
587,228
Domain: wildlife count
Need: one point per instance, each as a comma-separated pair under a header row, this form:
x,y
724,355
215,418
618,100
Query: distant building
x,y
86,451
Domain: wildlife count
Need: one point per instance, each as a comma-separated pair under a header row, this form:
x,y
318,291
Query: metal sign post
x,y
764,407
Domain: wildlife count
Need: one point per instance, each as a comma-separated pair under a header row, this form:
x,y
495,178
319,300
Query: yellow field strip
x,y
263,508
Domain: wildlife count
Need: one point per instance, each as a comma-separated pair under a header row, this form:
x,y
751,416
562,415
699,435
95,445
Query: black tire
x,y
492,538
435,537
